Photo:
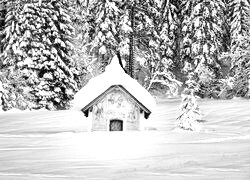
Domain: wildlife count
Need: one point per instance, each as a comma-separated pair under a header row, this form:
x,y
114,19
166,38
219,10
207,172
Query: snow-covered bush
x,y
217,89
226,88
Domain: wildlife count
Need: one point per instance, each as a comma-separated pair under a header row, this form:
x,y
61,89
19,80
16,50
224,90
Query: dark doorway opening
x,y
116,125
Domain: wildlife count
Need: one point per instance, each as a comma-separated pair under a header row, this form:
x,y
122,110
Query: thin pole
x,y
130,63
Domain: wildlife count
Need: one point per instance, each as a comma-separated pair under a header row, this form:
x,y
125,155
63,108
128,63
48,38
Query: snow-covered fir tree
x,y
240,67
186,30
86,63
11,93
239,20
101,29
2,21
109,29
3,95
239,49
37,44
161,45
190,111
202,28
38,67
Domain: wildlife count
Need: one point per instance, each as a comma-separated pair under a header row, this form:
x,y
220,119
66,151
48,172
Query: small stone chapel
x,y
113,101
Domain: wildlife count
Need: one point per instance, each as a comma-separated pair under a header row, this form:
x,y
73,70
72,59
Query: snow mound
x,y
113,75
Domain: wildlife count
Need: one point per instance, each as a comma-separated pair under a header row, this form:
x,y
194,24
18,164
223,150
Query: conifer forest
x,y
49,49
124,89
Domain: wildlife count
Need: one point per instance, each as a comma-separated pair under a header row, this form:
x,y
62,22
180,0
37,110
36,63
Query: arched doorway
x,y
116,125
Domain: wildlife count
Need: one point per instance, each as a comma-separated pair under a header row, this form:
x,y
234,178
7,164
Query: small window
x,y
116,125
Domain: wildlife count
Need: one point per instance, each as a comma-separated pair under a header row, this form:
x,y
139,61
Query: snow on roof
x,y
113,75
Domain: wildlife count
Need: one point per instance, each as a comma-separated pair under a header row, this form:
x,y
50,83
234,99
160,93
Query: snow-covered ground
x,y
55,145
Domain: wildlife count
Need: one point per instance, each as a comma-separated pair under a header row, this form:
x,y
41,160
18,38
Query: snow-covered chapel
x,y
113,101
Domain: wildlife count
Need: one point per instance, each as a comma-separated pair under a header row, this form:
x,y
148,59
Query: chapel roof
x,y
114,75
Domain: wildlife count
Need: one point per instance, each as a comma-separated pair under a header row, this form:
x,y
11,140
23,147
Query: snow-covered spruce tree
x,y
202,28
12,95
240,67
239,50
108,30
9,31
186,31
37,43
2,21
101,33
161,23
86,63
239,20
3,94
190,111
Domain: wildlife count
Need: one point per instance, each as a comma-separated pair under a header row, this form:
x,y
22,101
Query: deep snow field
x,y
55,146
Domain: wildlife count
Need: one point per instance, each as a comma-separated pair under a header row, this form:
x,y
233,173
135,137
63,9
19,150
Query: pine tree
x,y
11,94
203,31
239,17
13,91
8,33
85,62
38,46
240,67
239,50
2,22
186,30
3,94
190,111
102,29
161,45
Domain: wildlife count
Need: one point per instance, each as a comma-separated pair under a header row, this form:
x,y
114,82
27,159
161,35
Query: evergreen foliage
x,y
2,22
239,22
239,50
37,44
108,32
240,67
101,32
45,42
203,32
162,45
190,111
